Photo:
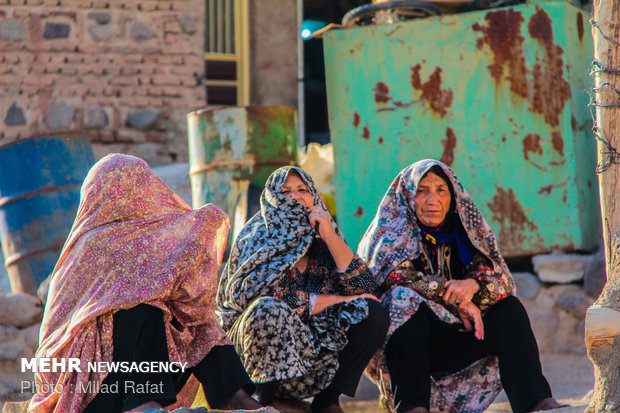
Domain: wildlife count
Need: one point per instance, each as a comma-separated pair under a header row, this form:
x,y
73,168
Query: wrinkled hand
x,y
470,313
460,292
318,215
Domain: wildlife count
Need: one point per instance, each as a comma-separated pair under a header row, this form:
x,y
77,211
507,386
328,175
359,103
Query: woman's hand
x,y
325,300
318,215
340,251
460,292
470,313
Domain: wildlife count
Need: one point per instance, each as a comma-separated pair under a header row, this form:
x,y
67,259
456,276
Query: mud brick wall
x,y
125,72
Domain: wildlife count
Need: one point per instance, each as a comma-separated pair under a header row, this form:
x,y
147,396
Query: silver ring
x,y
457,302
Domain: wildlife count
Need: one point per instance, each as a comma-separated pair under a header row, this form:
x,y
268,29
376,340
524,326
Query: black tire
x,y
409,9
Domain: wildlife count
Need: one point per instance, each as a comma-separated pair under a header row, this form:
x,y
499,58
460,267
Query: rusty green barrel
x,y
40,181
499,95
235,149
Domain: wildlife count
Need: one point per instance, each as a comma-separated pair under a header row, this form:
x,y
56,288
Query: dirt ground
x,y
571,377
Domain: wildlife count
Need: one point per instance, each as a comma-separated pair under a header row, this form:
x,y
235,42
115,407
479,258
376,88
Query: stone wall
x,y
124,72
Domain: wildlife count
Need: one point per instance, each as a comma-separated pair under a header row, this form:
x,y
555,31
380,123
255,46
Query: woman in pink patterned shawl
x,y
453,319
136,282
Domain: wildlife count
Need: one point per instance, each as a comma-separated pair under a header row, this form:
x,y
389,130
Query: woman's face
x,y
295,188
432,200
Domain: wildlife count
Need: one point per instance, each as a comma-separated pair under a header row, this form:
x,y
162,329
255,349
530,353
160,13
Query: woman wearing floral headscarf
x,y
448,292
295,300
135,282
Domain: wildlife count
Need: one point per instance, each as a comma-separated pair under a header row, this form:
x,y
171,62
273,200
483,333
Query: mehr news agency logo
x,y
65,365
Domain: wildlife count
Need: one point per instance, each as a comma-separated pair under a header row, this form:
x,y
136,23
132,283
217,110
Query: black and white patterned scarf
x,y
267,247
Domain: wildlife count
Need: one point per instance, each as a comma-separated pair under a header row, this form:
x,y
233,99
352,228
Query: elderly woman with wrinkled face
x,y
296,301
457,333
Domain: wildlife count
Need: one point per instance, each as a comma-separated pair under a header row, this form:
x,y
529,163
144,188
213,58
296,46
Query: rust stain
x,y
356,119
547,189
503,138
550,89
366,133
382,93
449,144
515,226
380,140
558,142
359,212
573,123
503,36
438,99
531,143
580,26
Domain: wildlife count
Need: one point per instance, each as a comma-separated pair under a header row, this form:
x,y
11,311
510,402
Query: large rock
x,y
527,284
15,407
20,310
560,268
8,333
10,351
44,289
595,276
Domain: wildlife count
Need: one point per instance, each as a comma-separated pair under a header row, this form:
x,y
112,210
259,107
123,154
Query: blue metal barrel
x,y
40,180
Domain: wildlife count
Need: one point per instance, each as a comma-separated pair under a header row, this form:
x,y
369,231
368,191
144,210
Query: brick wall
x,y
125,72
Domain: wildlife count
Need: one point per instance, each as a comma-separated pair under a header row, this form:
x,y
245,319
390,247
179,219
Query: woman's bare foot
x,y
145,406
417,410
241,401
548,403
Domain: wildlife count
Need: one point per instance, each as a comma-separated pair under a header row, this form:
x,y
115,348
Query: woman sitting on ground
x,y
136,282
448,292
296,301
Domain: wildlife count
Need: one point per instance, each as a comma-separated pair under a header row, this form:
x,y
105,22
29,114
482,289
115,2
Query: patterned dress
x,y
406,273
265,302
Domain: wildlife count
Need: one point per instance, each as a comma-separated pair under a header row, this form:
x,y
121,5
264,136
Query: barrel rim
x,y
209,109
74,135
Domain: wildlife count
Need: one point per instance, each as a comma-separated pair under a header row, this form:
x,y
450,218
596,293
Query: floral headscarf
x,y
394,235
267,247
133,241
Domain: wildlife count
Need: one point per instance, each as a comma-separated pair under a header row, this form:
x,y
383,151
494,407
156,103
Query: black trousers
x,y
424,344
364,340
139,335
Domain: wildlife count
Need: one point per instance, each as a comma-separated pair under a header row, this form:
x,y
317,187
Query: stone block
x,y
574,304
15,116
10,351
15,407
59,115
560,267
13,29
19,310
102,32
100,17
189,24
544,323
176,176
96,118
527,285
139,32
8,333
142,119
31,336
56,30
595,275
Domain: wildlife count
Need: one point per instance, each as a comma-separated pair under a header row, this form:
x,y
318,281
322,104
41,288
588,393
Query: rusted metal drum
x,y
233,150
40,181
